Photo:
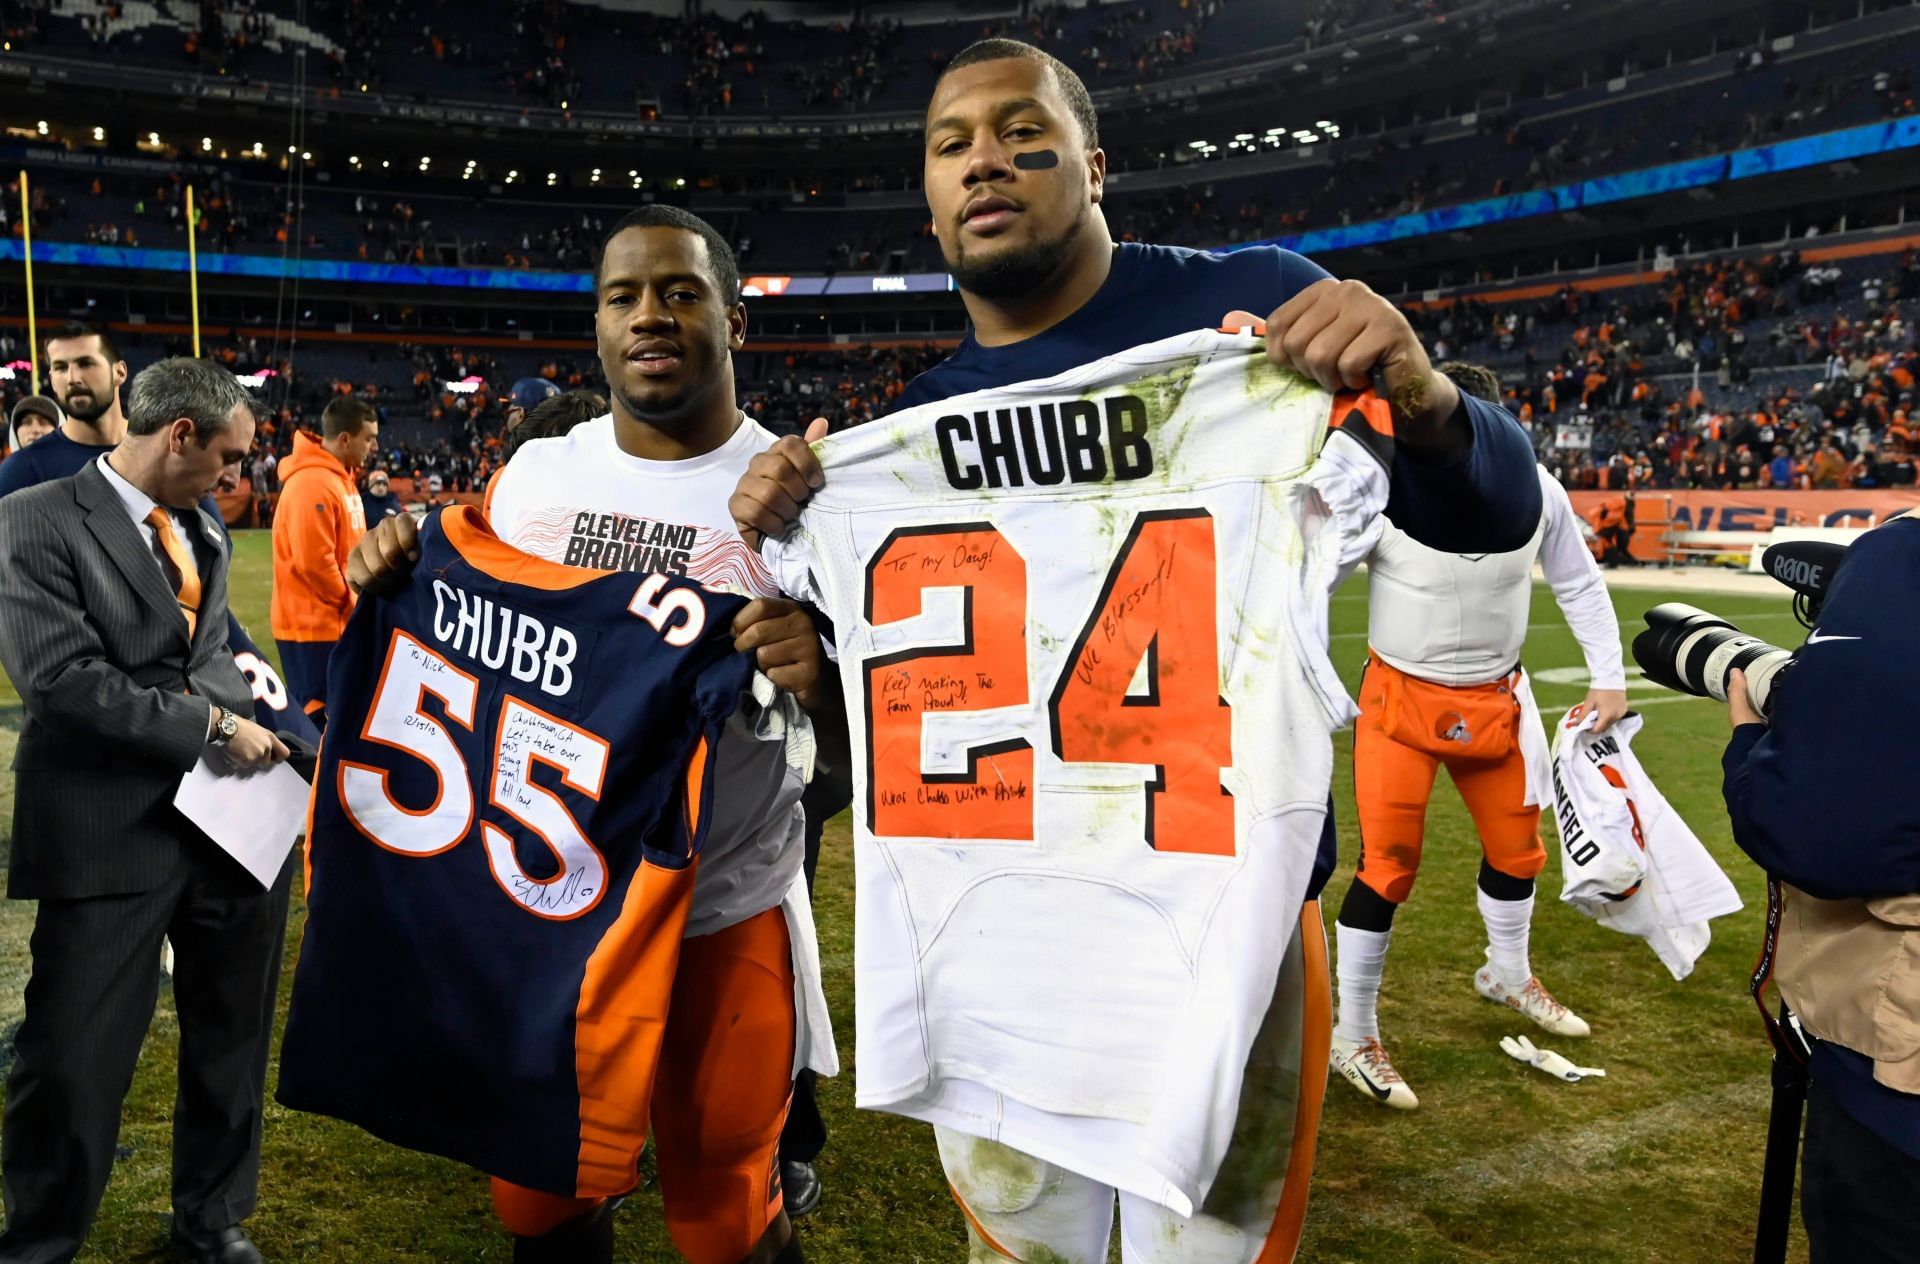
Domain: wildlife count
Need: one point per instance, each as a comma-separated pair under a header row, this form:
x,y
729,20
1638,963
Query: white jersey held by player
x,y
1444,688
1079,580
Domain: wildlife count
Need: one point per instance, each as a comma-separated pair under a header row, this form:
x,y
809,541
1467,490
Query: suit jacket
x,y
116,691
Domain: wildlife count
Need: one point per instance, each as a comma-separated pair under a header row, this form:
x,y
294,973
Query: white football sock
x,y
1362,960
1508,923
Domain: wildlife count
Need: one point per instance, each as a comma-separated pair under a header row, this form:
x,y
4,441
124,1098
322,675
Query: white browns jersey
x,y
1082,627
579,500
1461,619
1626,858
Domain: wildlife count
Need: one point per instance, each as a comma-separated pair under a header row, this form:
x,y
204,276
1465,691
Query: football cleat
x,y
1534,1001
1366,1067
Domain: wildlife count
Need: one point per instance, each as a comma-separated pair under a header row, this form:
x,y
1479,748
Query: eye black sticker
x,y
1036,160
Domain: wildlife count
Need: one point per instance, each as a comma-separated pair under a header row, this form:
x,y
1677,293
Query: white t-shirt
x,y
1460,619
580,500
1082,627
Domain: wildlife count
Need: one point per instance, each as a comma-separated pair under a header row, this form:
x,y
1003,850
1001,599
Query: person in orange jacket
x,y
319,521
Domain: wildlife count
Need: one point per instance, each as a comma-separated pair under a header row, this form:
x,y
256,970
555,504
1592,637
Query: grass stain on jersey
x,y
1246,1189
999,1178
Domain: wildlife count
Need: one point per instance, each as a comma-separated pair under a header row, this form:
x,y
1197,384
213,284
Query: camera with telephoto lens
x,y
1693,651
1688,649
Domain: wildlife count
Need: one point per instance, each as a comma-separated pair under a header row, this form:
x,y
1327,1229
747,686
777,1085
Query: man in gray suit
x,y
113,626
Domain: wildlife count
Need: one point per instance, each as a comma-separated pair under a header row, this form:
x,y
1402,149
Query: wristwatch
x,y
225,725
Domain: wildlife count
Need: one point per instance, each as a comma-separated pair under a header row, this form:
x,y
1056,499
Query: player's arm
x,y
785,645
1464,479
382,562
777,483
1582,593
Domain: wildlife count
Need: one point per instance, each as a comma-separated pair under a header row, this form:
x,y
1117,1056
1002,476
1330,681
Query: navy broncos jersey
x,y
506,819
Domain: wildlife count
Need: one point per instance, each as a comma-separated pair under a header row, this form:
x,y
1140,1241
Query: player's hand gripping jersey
x,y
506,819
1082,631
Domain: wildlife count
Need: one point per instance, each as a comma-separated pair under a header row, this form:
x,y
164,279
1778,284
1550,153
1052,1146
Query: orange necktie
x,y
186,572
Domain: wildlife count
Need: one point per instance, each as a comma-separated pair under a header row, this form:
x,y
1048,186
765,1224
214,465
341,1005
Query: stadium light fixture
x,y
634,174
43,127
563,105
385,163
259,150
1196,144
680,183
99,133
206,144
1243,135
354,159
306,155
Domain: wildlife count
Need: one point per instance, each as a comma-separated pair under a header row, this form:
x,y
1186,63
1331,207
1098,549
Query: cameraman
x,y
1826,800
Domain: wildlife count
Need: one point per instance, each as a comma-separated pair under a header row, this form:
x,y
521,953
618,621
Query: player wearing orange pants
x,y
1442,690
719,1101
1474,732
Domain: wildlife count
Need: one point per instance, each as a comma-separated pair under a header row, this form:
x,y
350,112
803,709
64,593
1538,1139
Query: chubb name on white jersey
x,y
1626,858
1082,627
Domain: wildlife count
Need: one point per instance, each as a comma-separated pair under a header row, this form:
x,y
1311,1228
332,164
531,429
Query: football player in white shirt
x,y
1443,687
645,488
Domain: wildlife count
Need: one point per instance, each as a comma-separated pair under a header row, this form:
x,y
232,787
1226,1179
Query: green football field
x,y
1659,1161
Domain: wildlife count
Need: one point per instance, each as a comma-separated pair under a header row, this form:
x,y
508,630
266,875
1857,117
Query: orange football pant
x,y
1393,783
719,1102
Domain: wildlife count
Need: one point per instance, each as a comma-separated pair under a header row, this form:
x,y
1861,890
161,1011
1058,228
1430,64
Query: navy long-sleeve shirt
x,y
1823,799
1482,499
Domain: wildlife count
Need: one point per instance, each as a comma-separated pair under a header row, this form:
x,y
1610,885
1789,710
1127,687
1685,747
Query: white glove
x,y
1521,1049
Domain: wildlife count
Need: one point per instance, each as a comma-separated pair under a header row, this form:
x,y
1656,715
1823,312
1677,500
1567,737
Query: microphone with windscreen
x,y
1808,568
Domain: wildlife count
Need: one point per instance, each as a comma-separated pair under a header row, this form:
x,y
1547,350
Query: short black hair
x,y
346,415
79,329
1476,380
1079,100
726,269
551,418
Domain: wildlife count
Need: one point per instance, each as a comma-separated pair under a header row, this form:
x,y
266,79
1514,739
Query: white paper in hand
x,y
253,819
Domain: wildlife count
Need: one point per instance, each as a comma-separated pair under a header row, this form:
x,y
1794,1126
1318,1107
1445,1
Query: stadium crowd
x,y
1757,371
1744,372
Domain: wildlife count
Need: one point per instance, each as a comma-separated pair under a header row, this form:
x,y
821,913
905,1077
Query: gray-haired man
x,y
113,627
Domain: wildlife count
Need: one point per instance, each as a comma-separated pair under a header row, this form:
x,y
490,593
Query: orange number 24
x,y
1140,686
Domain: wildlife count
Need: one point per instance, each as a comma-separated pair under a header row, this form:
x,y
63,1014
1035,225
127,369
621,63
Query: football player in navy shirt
x,y
1015,178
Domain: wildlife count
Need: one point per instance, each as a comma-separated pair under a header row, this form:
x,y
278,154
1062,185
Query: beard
x,y
95,408
1019,273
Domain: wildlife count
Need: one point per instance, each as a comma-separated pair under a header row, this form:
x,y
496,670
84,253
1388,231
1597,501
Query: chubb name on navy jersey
x,y
507,816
